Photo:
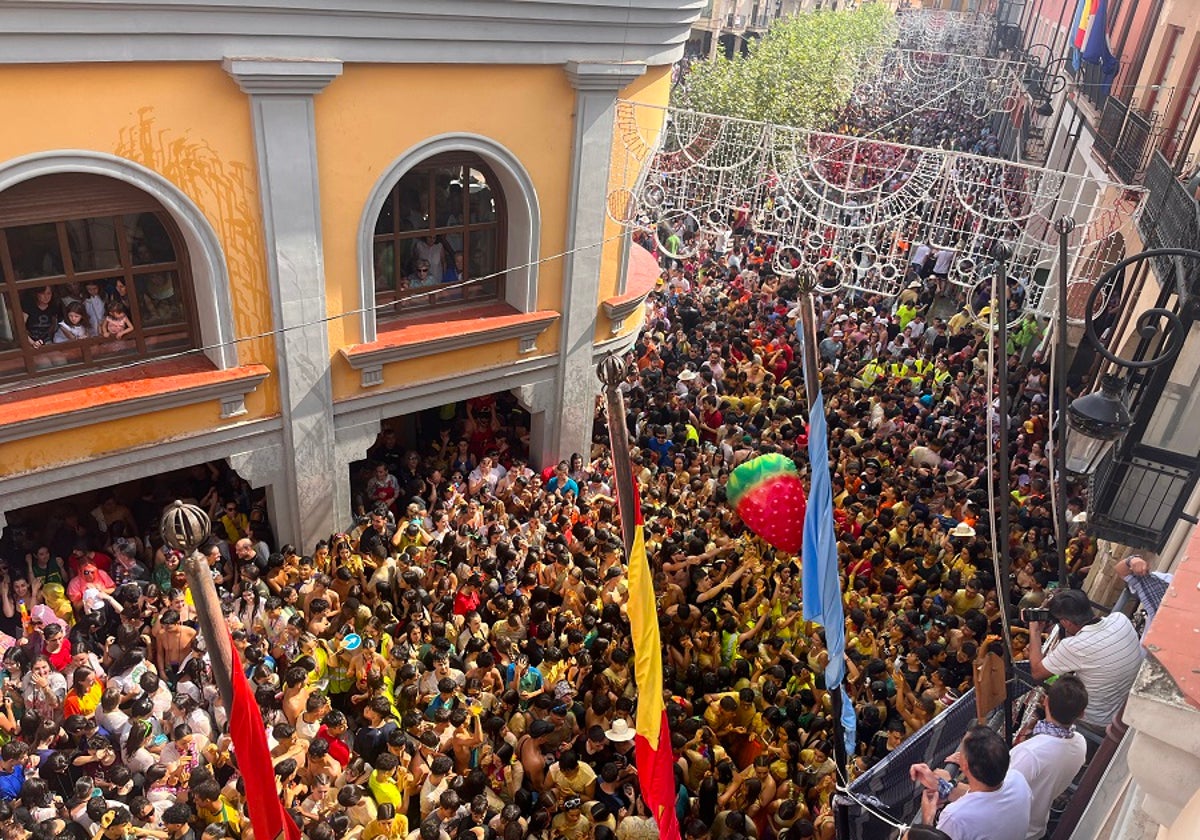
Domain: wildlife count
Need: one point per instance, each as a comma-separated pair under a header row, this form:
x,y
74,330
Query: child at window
x,y
74,324
93,302
116,321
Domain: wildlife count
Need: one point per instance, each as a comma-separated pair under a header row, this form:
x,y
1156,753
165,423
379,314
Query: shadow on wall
x,y
227,194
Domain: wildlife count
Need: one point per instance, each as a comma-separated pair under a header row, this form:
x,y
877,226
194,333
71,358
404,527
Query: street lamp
x,y
1135,495
1096,421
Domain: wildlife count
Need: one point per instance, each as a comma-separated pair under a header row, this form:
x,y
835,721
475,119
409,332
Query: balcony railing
x,y
1171,215
887,790
1137,498
1126,137
1091,82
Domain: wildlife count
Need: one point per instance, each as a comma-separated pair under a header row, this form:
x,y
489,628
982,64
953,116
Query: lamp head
x,y
1096,420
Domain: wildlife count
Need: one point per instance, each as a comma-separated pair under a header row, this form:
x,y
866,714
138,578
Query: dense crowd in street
x,y
457,664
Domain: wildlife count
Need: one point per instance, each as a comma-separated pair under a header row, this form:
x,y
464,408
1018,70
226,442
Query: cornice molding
x,y
377,31
369,359
604,76
231,392
282,76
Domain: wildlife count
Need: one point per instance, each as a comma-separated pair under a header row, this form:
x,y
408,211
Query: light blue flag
x,y
822,587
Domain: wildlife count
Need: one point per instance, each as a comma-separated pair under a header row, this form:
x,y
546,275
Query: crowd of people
x,y
458,663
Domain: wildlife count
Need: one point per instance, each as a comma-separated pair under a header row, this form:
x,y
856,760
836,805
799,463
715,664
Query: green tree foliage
x,y
800,74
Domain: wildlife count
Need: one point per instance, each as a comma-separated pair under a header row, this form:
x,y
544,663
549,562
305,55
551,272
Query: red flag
x,y
655,761
267,815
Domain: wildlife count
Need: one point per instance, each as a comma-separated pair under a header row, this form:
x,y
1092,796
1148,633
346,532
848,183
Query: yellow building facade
x,y
257,207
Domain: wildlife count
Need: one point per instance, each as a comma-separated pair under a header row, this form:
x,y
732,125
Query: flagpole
x,y
612,373
652,741
812,384
184,527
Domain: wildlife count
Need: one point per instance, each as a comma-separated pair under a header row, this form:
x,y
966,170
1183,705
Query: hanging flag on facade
x,y
267,815
1090,40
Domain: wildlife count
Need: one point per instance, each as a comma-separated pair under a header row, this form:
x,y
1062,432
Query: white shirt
x,y
1001,814
1106,657
920,254
1048,765
115,722
943,261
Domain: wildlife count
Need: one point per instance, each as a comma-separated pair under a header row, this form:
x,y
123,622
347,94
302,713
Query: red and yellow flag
x,y
655,762
1085,19
267,815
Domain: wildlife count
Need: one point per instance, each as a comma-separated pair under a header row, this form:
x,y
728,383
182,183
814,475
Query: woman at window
x,y
422,277
94,303
430,250
41,316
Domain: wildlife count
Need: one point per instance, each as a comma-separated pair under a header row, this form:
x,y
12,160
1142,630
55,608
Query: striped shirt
x,y
1106,656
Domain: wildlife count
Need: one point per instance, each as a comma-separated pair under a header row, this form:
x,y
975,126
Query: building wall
x,y
398,107
188,123
279,158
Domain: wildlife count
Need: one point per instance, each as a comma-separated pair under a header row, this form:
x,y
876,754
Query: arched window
x,y
440,237
95,272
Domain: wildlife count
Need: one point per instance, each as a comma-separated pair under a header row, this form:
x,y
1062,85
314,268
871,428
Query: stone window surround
x,y
524,220
210,285
210,277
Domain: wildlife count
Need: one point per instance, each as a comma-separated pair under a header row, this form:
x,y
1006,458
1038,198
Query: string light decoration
x,y
903,81
852,209
963,33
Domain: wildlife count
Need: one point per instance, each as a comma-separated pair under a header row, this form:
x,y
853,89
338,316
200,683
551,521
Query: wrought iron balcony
x,y
1138,496
1091,84
1126,137
1171,215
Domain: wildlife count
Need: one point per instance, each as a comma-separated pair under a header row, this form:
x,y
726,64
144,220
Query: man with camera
x,y
1104,653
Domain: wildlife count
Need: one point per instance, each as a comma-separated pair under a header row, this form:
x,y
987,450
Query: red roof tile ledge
x,y
110,395
641,277
442,332
1174,636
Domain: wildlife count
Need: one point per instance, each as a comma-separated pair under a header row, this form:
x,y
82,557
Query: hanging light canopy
x,y
1096,421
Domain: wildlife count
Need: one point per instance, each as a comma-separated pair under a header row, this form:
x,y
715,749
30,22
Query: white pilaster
x,y
597,85
538,399
281,100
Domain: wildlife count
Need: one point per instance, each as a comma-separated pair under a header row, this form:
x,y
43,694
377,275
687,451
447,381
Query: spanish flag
x,y
655,762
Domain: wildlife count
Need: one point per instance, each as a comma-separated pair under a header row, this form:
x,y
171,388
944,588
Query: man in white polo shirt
x,y
1105,653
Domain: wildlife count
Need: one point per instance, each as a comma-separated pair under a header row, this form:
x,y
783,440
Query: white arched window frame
x,y
210,277
523,221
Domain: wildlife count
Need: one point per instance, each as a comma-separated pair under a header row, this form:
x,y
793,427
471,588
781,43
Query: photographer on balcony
x,y
1104,653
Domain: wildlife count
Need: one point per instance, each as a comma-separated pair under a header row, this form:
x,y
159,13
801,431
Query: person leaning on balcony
x,y
1149,586
994,802
1105,653
1052,756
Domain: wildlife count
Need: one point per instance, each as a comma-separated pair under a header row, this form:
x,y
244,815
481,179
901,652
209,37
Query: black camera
x,y
1032,614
